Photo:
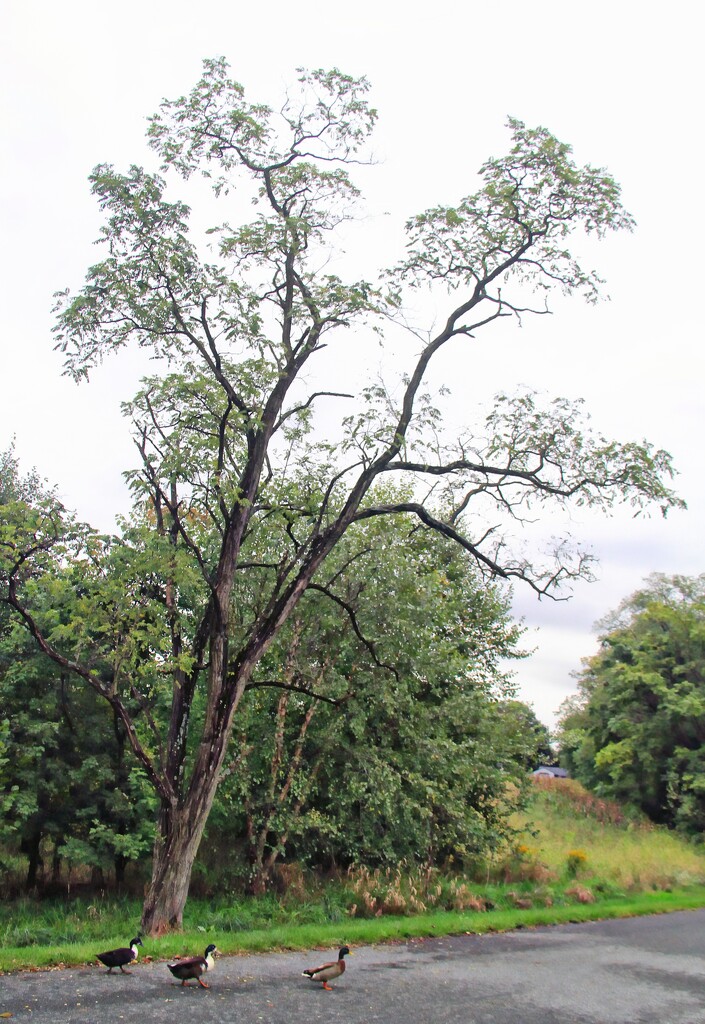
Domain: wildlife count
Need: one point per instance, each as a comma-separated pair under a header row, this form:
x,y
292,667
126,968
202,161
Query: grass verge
x,y
360,931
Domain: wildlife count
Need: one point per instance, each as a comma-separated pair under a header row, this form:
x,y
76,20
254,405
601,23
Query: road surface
x,y
634,971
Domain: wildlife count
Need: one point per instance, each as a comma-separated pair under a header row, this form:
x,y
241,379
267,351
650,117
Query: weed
x,y
574,862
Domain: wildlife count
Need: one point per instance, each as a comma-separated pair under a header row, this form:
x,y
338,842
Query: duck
x,y
194,966
120,957
327,972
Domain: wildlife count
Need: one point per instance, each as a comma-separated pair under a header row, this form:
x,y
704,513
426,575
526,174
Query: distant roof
x,y
547,769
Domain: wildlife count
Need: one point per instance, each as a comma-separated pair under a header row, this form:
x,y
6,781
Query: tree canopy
x,y
239,501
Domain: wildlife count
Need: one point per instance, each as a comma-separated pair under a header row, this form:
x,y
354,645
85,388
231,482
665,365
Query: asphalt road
x,y
635,971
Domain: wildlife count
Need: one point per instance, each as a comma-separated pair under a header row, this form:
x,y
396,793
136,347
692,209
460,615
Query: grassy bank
x,y
575,858
624,851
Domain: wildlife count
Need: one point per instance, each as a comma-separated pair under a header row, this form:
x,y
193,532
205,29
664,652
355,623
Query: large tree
x,y
241,505
635,730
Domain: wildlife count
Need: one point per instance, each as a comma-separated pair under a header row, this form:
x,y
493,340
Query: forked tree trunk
x,y
180,824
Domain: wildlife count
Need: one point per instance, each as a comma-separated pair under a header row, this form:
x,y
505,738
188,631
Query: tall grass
x,y
31,922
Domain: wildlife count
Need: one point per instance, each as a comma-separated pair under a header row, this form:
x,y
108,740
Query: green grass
x,y
355,931
576,859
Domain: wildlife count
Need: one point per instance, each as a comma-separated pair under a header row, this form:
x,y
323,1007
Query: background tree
x,y
181,609
70,784
68,780
636,729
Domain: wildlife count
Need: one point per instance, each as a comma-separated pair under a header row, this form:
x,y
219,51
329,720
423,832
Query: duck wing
x,y
326,971
115,957
191,967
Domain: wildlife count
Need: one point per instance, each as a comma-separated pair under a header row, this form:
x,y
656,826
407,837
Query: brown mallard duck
x,y
120,957
194,966
330,971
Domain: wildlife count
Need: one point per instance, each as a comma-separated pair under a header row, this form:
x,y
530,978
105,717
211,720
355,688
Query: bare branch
x,y
305,405
349,610
279,685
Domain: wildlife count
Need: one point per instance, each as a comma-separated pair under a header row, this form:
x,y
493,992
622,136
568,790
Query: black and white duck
x,y
120,957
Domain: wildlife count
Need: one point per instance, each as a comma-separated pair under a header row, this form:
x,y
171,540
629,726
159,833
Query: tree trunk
x,y
31,846
175,849
120,863
56,862
257,885
179,833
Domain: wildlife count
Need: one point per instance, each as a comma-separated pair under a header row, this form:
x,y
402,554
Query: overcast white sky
x,y
620,81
